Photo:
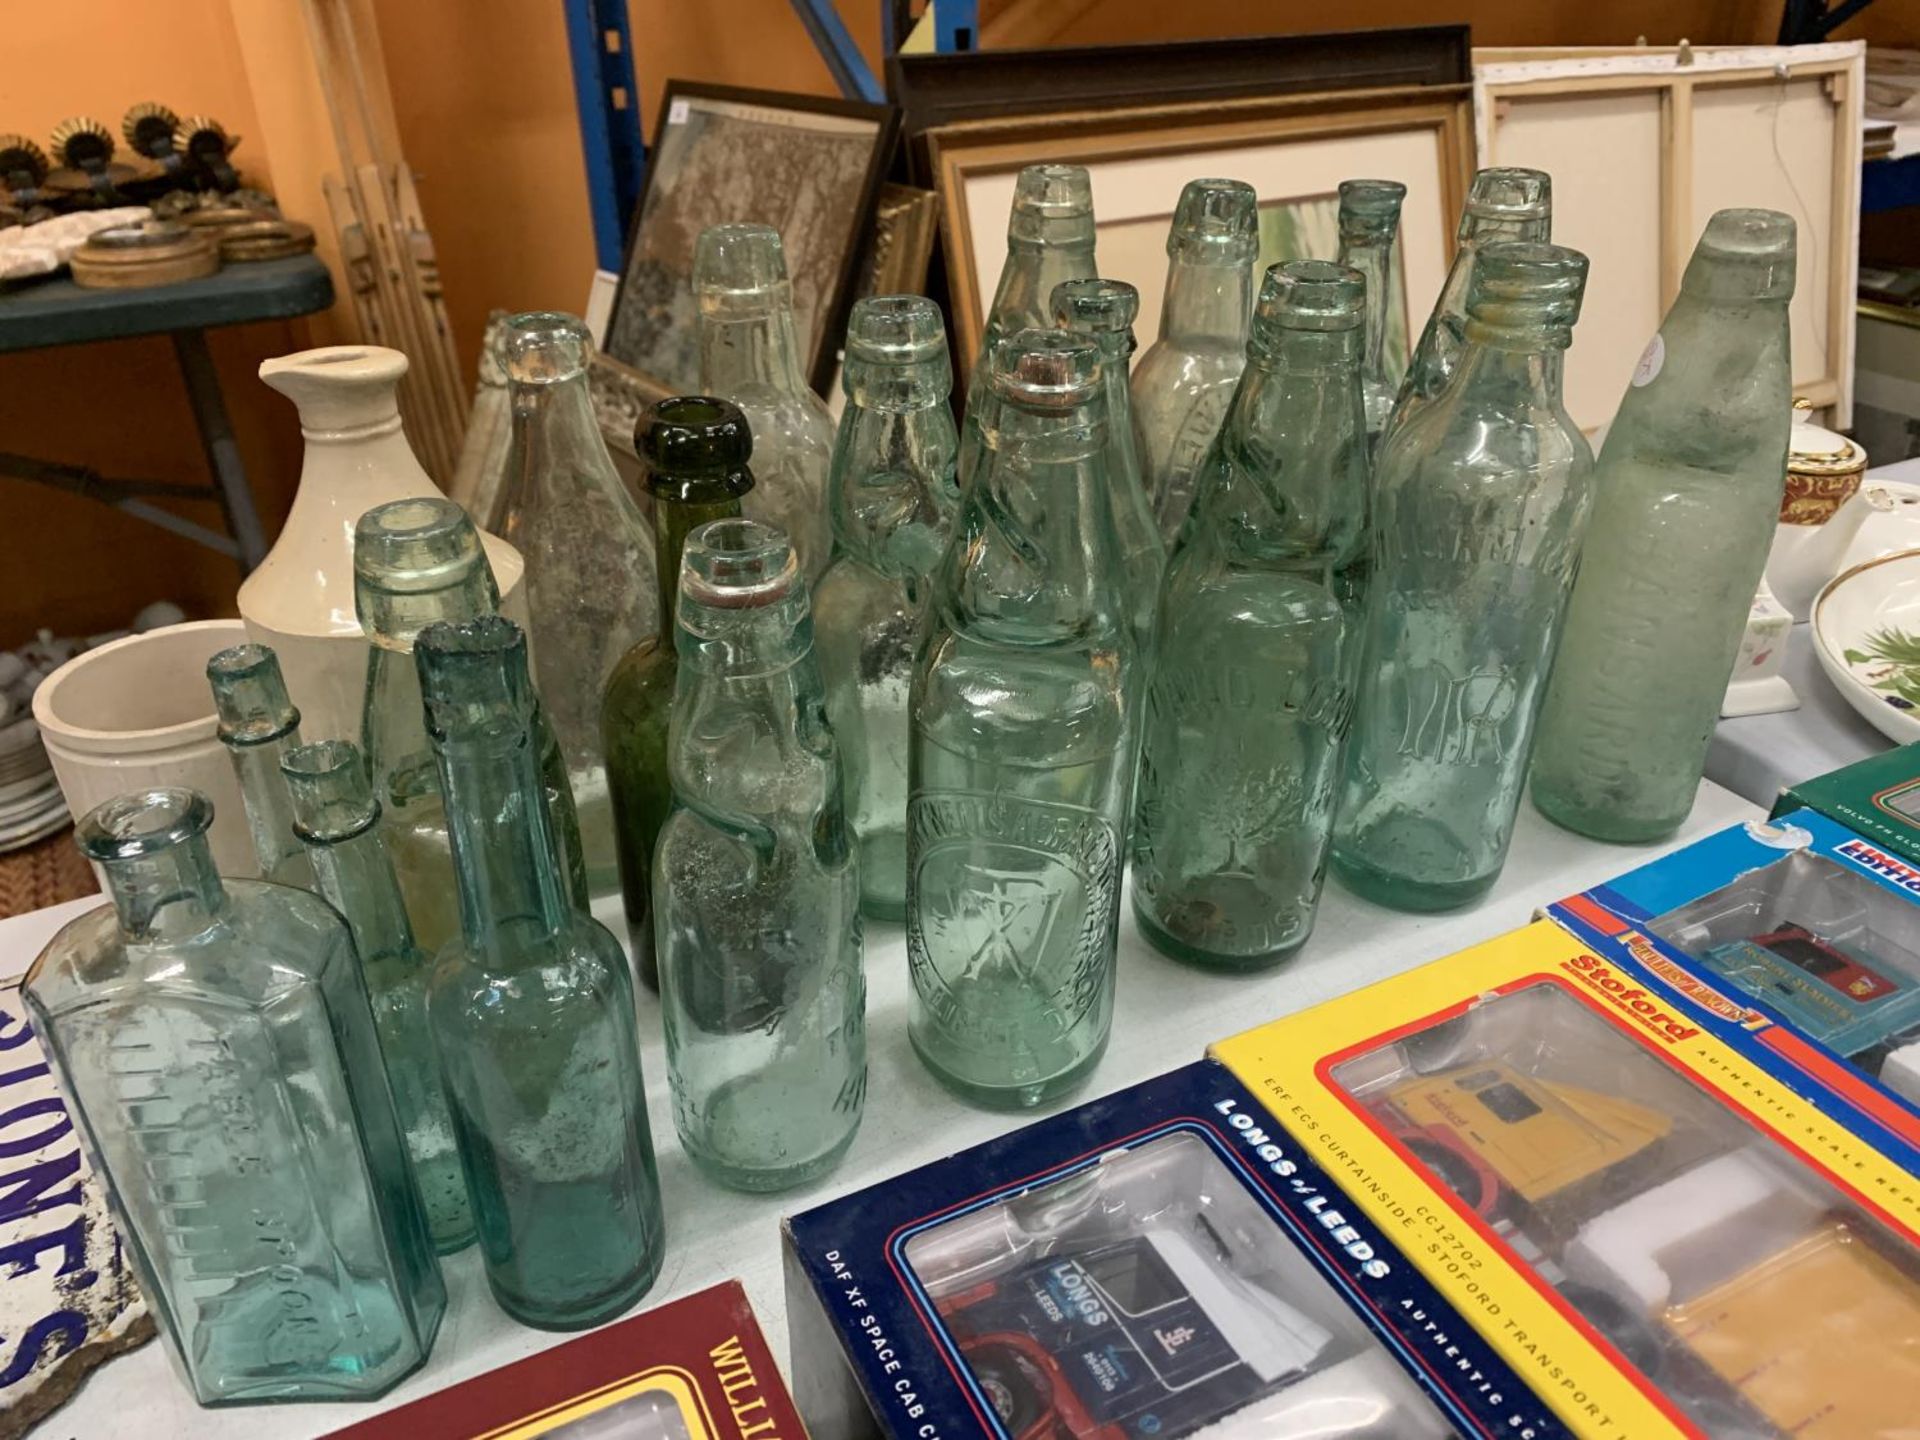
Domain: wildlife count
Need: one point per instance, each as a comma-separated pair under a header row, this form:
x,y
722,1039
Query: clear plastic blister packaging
x,y
1755,1294
1149,1296
652,1416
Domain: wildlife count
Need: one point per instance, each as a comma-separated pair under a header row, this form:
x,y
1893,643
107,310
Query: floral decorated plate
x,y
1866,631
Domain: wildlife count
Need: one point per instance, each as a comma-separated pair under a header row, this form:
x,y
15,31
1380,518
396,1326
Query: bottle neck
x,y
1372,255
1024,298
677,513
269,808
555,434
1207,305
166,897
1116,391
356,876
393,621
891,492
503,844
1511,359
743,352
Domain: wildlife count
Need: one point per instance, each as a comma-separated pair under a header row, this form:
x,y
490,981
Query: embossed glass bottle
x,y
591,584
1251,680
1369,224
1022,750
757,914
259,725
532,1014
1687,495
1183,383
749,356
892,497
415,562
1481,500
216,1044
695,449
338,820
1103,311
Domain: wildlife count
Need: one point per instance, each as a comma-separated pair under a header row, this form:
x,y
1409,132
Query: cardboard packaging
x,y
1877,798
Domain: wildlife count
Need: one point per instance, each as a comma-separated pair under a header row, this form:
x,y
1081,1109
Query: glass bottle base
x,y
1188,953
1608,825
764,1182
1012,1097
596,1310
889,908
1400,892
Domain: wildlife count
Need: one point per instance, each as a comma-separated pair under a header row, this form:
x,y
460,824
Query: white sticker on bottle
x,y
1651,359
678,111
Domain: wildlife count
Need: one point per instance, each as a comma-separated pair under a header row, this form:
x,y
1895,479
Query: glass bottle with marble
x,y
1369,226
259,725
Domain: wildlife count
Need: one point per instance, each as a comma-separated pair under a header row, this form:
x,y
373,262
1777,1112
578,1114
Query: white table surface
x,y
1166,1016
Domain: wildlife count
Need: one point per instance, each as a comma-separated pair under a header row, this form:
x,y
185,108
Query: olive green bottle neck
x,y
676,515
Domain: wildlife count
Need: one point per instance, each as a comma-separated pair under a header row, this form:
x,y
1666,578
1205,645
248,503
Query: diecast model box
x,y
1877,798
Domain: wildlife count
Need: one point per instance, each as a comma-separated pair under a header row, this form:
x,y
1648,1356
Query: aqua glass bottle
x,y
1369,225
756,884
1103,311
1688,486
217,1050
259,725
1481,500
750,358
591,586
695,449
1250,688
338,820
1022,753
892,496
415,562
1183,383
532,1013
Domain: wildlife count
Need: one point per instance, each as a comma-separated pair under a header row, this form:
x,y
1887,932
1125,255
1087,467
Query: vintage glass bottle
x,y
1688,492
532,1014
1022,753
216,1045
338,820
1250,684
1481,501
259,725
756,884
750,358
592,590
1369,225
695,449
1183,383
892,498
415,562
1103,311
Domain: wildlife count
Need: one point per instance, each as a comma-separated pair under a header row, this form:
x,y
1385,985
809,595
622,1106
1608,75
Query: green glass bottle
x,y
1251,680
1481,501
695,449
892,497
1688,486
532,1013
1022,751
338,820
1369,224
259,725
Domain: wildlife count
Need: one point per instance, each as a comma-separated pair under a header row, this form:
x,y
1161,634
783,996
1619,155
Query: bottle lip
x,y
737,564
1047,370
1370,209
1528,285
328,784
694,435
740,266
1753,252
473,678
142,823
546,347
416,546
1509,192
1215,221
1320,295
895,330
250,695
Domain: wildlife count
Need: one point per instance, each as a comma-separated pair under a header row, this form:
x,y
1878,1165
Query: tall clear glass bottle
x,y
1103,311
757,920
338,820
415,562
259,725
1022,753
216,1045
1688,486
1183,383
532,1014
749,357
892,497
1369,225
592,587
1250,686
1481,501
695,449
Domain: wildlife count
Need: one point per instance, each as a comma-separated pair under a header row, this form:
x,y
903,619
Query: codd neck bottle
x,y
258,725
1183,382
1688,486
892,498
1022,753
1369,224
531,1011
1481,499
1251,681
415,562
749,356
338,820
1103,311
591,583
215,1042
695,449
757,914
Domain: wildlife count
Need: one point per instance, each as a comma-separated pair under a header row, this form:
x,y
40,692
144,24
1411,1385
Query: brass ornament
x,y
152,130
263,240
152,252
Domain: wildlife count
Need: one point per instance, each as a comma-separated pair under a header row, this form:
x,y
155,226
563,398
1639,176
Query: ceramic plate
x,y
1866,631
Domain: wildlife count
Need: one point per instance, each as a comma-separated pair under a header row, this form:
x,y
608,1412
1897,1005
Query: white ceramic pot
x,y
300,600
137,713
1819,512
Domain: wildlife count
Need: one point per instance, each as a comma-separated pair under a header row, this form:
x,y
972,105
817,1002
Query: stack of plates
x,y
31,807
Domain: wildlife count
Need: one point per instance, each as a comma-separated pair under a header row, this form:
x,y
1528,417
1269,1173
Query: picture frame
x,y
906,226
811,167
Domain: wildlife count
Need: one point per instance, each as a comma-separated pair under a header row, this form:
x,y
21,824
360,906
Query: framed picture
x,y
905,228
809,167
1293,150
